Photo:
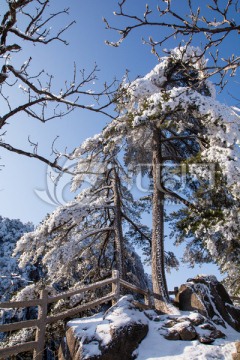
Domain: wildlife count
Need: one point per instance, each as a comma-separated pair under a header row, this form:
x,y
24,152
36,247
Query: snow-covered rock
x,y
209,297
123,332
190,327
113,335
185,331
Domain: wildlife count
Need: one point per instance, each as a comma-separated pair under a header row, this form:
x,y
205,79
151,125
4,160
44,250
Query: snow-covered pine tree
x,y
11,279
170,116
82,241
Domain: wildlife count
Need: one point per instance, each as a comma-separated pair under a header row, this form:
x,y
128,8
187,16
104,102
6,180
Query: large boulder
x,y
208,297
113,335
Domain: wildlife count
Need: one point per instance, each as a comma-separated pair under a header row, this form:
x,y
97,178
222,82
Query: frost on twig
x,y
212,25
29,21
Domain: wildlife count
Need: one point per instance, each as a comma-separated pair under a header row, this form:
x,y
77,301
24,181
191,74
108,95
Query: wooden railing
x,y
38,345
43,319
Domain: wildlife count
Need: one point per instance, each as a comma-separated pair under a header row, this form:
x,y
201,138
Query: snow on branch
x,y
215,25
31,21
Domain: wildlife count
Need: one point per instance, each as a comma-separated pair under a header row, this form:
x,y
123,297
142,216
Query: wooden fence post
x,y
41,330
116,286
148,299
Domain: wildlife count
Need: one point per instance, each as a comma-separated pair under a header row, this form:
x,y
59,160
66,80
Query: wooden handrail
x,y
81,290
16,349
78,309
44,319
19,325
20,304
38,345
133,287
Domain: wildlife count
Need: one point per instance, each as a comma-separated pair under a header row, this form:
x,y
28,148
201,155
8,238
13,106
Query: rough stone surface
x,y
197,319
169,323
73,347
172,335
236,356
63,352
124,342
238,346
205,339
217,334
115,336
187,332
210,336
209,297
207,326
193,326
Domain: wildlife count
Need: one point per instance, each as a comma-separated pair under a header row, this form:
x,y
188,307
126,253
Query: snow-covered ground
x,y
155,346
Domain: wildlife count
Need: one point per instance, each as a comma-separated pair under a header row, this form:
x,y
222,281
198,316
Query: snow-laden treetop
x,y
158,77
169,97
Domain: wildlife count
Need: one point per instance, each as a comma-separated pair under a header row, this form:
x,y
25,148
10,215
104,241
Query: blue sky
x,y
21,177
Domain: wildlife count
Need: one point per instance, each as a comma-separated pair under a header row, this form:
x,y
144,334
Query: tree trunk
x,y
119,242
158,264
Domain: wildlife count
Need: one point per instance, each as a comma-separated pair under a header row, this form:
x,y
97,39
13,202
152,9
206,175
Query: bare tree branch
x,y
34,155
215,25
30,21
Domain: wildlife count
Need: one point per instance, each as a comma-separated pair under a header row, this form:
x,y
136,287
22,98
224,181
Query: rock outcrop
x,y
192,327
113,335
208,297
117,333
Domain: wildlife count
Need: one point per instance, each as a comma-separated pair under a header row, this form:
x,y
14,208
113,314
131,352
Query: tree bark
x,y
119,241
158,261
